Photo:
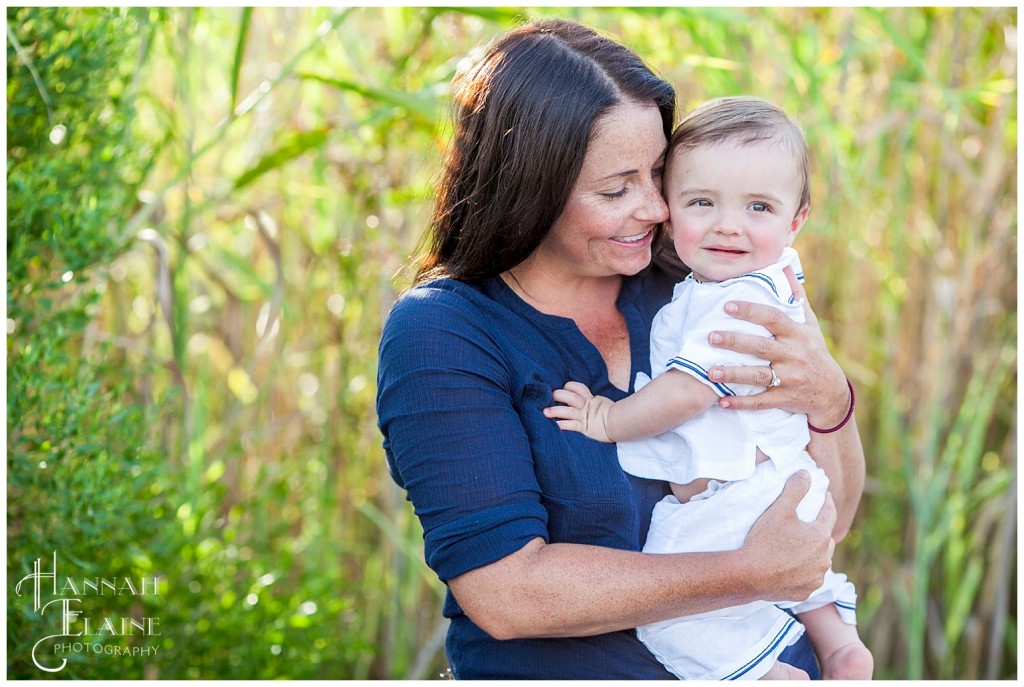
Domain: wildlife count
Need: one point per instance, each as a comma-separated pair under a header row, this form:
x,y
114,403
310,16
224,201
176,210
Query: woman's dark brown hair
x,y
523,118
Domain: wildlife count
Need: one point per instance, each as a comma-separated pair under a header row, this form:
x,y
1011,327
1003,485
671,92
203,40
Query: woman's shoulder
x,y
438,298
442,310
448,325
439,289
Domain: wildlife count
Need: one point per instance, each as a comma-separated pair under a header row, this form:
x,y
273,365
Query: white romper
x,y
740,642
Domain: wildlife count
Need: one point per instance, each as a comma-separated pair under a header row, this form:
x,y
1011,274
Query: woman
x,y
538,271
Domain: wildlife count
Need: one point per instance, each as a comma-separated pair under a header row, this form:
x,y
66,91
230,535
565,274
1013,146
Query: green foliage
x,y
72,158
83,478
199,269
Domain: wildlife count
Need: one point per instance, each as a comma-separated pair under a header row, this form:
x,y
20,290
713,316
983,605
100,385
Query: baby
x,y
737,183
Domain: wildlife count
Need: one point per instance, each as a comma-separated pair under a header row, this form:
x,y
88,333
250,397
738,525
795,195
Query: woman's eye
x,y
614,194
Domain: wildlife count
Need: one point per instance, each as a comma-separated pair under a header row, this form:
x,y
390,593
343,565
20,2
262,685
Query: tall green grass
x,y
294,155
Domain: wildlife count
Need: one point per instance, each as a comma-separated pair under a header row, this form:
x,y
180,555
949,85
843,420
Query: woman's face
x,y
608,224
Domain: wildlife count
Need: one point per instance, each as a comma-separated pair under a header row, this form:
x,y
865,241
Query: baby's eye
x,y
701,202
760,207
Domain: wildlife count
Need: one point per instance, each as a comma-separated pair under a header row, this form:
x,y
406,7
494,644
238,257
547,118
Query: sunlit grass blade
x,y
295,145
240,44
425,105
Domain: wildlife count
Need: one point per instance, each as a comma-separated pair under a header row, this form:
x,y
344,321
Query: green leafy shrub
x,y
83,479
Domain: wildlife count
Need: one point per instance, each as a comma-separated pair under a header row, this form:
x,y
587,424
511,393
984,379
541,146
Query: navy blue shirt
x,y
465,372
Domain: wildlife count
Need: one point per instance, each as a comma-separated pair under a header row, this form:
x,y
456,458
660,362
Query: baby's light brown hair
x,y
747,120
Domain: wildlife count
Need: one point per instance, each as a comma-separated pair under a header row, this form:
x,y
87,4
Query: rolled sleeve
x,y
452,435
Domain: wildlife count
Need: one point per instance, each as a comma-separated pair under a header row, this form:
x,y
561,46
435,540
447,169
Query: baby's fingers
x,y
570,397
562,413
571,426
567,418
581,389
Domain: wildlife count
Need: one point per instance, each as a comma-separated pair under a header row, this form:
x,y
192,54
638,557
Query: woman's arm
x,y
841,455
812,383
572,590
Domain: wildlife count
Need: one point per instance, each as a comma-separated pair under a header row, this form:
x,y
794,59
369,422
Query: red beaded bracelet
x,y
849,414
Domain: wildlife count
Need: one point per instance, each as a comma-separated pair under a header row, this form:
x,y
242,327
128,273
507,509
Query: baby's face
x,y
733,207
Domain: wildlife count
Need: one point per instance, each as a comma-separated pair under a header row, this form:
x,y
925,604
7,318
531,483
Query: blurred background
x,y
211,211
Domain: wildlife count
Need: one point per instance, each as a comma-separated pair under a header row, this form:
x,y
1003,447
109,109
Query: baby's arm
x,y
668,400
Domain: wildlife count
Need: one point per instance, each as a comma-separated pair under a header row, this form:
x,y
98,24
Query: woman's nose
x,y
654,208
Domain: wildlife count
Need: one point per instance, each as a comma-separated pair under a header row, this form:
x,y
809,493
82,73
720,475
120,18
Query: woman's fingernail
x,y
714,338
715,375
724,403
731,308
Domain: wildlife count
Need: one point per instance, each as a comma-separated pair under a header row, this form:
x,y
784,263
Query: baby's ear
x,y
797,223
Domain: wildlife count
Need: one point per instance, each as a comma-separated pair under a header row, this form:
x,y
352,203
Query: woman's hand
x,y
789,557
811,382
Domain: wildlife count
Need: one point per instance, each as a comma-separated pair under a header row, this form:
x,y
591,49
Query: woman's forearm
x,y
841,455
572,590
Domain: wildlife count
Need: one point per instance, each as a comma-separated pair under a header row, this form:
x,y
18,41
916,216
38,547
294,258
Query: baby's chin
x,y
713,275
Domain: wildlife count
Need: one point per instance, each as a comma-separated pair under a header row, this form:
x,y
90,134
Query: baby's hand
x,y
583,412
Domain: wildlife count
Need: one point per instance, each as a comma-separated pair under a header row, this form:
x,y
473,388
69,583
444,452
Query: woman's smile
x,y
638,240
